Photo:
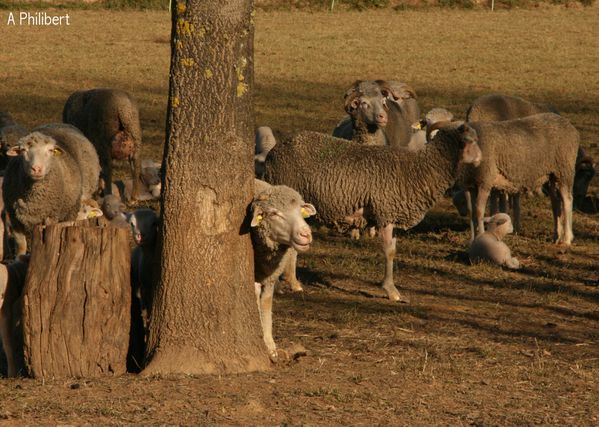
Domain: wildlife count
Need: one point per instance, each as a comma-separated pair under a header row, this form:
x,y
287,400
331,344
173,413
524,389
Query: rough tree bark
x,y
204,317
76,300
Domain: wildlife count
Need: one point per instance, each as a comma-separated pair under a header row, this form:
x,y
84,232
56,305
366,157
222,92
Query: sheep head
x,y
280,214
36,151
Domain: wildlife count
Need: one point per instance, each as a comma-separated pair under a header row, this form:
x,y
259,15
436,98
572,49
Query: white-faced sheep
x,y
375,117
144,227
110,119
52,171
489,246
12,281
278,230
393,187
521,155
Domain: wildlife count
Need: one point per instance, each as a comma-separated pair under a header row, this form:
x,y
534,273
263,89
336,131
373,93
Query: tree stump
x,y
76,301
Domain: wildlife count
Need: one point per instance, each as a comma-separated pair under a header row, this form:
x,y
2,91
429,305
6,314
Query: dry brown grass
x,y
478,345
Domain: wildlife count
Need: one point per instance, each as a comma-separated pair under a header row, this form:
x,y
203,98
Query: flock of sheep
x,y
383,168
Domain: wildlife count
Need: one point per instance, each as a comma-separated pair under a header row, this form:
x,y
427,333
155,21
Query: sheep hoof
x,y
273,355
296,286
394,295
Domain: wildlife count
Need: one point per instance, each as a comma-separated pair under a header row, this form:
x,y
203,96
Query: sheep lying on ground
x,y
521,155
144,226
393,187
489,246
12,281
278,230
52,171
110,119
10,133
375,118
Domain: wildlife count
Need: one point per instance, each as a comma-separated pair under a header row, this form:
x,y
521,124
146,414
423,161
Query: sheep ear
x,y
501,221
57,151
308,210
95,213
487,219
14,151
257,217
417,125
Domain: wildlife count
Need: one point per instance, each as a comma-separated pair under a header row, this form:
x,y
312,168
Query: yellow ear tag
x,y
92,214
57,152
416,126
304,213
259,219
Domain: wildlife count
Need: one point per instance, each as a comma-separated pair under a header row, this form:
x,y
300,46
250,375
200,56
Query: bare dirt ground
x,y
476,345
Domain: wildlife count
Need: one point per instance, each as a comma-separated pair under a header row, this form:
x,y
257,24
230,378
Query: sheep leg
x,y
7,337
389,242
566,214
516,211
106,172
135,166
503,201
20,243
494,202
265,309
479,211
289,274
556,208
468,197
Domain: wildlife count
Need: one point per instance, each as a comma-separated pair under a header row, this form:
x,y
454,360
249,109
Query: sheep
x,y
52,171
521,155
114,211
89,209
110,119
12,281
144,227
150,186
489,246
497,107
265,140
278,231
10,133
393,187
424,130
375,117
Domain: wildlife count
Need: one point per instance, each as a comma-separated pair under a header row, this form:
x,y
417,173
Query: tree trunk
x,y
204,318
76,301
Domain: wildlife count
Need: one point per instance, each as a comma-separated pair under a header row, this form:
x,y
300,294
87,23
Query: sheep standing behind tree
x,y
489,246
392,187
110,119
278,230
521,155
52,170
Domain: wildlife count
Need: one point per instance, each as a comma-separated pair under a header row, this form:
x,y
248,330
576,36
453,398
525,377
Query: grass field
x,y
477,345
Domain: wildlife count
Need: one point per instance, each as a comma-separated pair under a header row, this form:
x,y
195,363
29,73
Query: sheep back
x,y
521,154
340,176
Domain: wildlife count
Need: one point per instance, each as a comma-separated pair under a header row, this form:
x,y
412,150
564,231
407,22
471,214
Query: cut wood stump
x,y
76,301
